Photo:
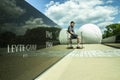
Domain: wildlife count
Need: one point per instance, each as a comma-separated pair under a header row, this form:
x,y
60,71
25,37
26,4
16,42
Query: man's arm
x,y
70,30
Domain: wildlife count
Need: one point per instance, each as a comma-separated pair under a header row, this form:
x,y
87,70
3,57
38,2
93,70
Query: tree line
x,y
112,30
31,36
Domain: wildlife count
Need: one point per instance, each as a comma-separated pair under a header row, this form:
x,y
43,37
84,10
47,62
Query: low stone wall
x,y
118,38
111,39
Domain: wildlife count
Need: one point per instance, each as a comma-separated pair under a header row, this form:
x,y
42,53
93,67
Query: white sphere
x,y
63,36
90,33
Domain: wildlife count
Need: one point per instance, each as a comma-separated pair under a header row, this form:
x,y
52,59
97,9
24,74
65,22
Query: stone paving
x,y
94,62
95,53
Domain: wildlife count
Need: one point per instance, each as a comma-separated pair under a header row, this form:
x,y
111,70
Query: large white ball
x,y
63,36
90,33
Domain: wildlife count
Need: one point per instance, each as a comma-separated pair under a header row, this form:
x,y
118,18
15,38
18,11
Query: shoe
x,y
70,47
78,47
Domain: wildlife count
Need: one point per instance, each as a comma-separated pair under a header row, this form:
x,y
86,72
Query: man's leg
x,y
78,41
70,42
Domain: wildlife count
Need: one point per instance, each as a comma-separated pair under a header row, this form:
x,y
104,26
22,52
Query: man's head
x,y
72,23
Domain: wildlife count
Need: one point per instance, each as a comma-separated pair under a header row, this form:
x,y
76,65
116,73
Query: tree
x,y
111,30
7,38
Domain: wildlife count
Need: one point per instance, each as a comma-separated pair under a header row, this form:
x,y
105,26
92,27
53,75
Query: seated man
x,y
73,35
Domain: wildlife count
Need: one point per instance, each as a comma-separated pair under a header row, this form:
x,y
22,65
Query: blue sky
x,y
99,12
40,4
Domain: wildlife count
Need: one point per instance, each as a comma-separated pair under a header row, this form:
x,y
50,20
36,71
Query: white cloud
x,y
50,4
82,12
34,23
109,1
104,24
29,24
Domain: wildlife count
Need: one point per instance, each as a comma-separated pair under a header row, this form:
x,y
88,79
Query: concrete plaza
x,y
93,62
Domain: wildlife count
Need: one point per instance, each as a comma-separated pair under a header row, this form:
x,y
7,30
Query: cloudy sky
x,y
99,12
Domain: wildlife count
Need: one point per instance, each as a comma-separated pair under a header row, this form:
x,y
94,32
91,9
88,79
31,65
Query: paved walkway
x,y
95,53
116,45
94,62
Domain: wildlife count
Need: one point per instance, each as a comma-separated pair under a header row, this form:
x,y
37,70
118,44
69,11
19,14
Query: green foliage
x,y
111,30
7,38
31,36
